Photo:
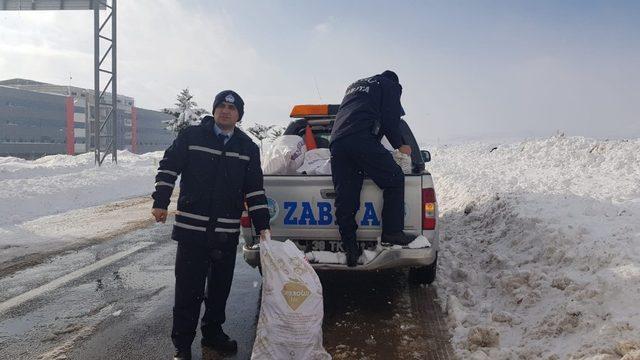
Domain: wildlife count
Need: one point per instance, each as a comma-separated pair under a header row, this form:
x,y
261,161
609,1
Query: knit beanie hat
x,y
231,97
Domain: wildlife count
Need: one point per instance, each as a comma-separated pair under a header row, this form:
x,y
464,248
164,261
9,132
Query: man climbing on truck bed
x,y
370,109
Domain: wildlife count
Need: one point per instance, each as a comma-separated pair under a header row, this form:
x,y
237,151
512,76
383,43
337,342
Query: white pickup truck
x,y
302,210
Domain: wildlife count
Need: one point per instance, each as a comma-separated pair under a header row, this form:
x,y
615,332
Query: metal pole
x,y
87,124
114,77
96,80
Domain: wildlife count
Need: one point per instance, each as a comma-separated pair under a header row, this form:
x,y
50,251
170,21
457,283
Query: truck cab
x,y
302,209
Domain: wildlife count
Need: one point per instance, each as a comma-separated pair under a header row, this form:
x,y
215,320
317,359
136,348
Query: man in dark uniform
x,y
220,170
370,109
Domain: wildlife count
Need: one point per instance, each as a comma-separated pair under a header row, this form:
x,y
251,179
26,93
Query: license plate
x,y
331,245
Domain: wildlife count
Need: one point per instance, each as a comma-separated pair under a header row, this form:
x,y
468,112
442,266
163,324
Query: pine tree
x,y
276,132
260,131
185,113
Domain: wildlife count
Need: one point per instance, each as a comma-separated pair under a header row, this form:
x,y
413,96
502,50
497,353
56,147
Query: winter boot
x,y
182,354
353,254
399,238
220,343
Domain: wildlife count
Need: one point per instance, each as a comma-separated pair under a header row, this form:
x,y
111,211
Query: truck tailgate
x,y
302,207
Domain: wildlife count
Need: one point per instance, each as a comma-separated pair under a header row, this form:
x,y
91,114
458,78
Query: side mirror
x,y
426,155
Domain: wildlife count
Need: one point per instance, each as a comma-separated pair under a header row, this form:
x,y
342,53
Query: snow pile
x,y
339,257
61,200
57,183
419,242
540,257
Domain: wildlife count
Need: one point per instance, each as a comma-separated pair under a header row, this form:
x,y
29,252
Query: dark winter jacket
x,y
215,181
367,102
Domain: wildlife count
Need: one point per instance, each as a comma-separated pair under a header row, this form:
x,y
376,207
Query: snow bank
x,y
56,201
540,257
57,183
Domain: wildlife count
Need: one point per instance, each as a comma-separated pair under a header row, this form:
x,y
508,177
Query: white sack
x,y
403,160
385,142
291,312
316,162
285,156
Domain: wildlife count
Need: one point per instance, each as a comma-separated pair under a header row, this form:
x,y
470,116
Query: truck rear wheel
x,y
424,274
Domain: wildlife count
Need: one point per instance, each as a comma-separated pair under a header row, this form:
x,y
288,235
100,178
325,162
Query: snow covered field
x,y
58,200
52,184
540,253
540,257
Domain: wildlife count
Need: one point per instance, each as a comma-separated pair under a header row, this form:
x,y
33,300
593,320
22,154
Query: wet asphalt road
x,y
123,310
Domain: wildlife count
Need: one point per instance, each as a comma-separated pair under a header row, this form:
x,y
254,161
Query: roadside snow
x,y
541,253
58,183
540,248
60,200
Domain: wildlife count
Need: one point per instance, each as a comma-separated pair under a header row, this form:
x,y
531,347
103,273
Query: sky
x,y
470,70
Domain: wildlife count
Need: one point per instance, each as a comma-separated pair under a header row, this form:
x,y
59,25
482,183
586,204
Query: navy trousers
x,y
352,158
199,262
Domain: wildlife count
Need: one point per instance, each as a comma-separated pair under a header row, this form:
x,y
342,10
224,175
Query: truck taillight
x,y
428,209
245,220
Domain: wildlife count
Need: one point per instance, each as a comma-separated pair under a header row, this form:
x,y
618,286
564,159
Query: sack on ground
x,y
291,312
285,156
316,162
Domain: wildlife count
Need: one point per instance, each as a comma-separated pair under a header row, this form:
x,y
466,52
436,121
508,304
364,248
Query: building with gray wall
x,y
39,119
